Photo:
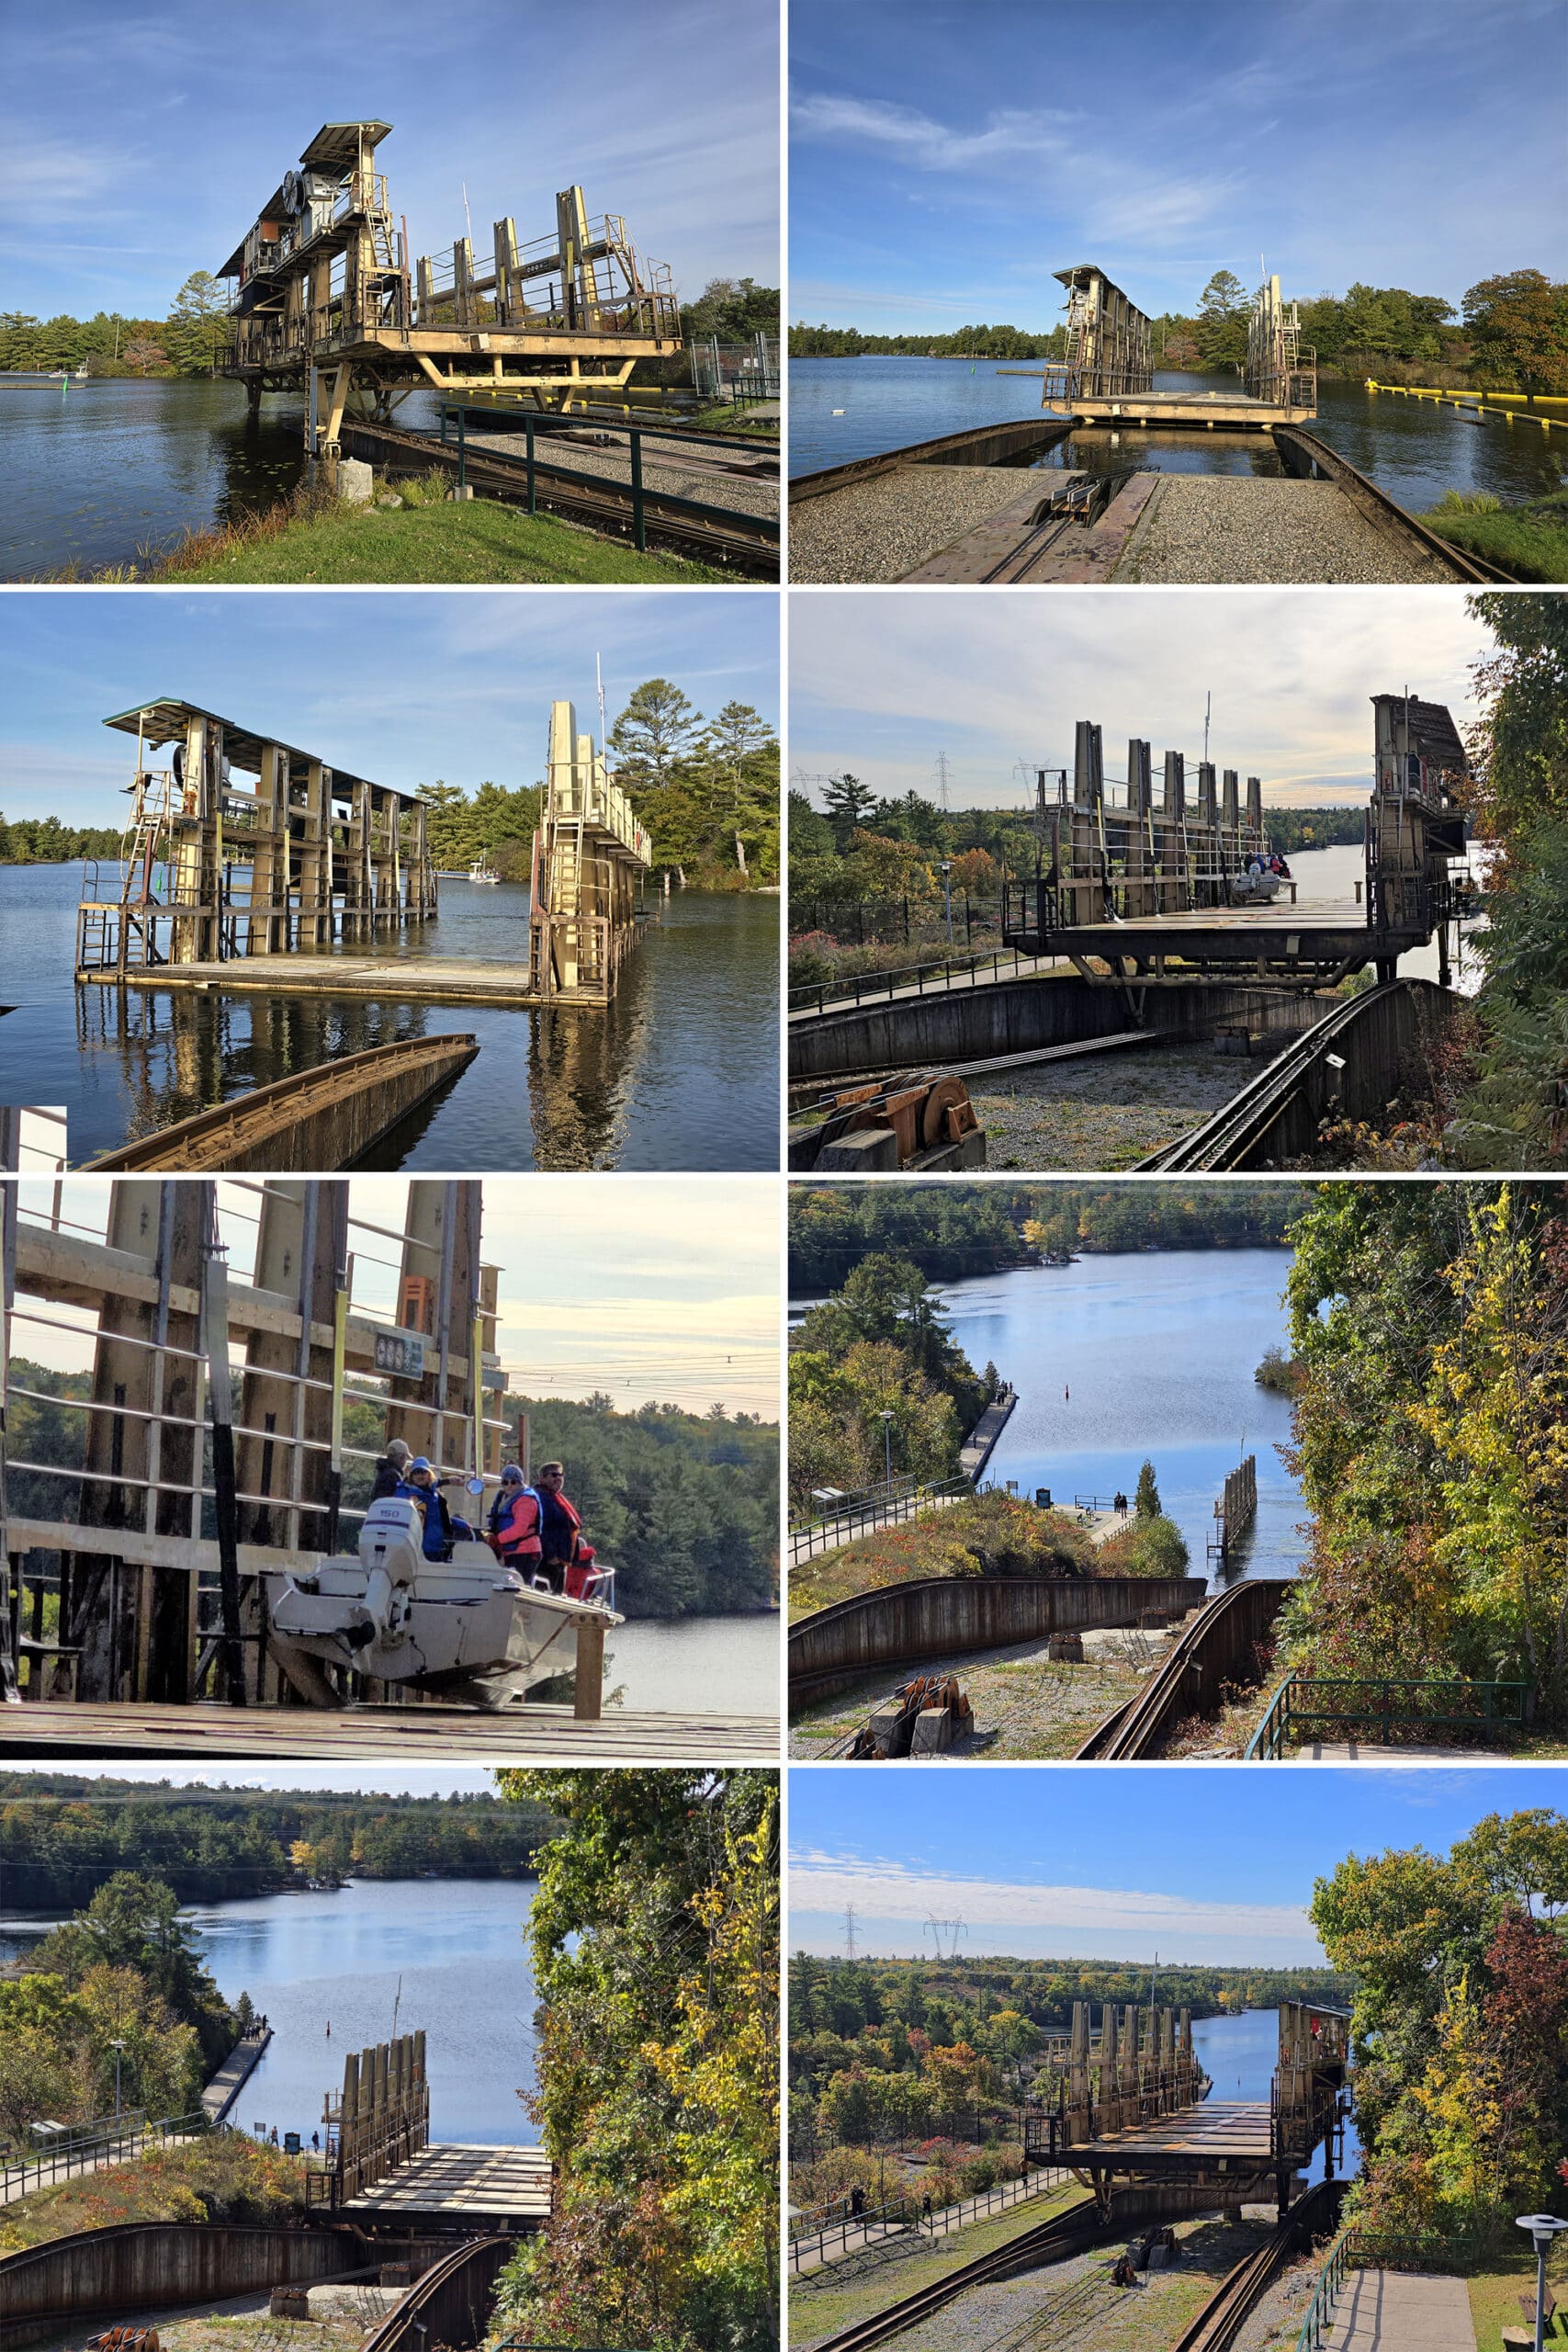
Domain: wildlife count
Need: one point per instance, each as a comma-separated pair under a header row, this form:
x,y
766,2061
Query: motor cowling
x,y
391,1542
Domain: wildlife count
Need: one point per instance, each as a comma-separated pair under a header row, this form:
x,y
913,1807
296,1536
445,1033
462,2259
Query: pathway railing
x,y
1362,2249
895,2214
946,974
1304,1707
876,1509
115,2141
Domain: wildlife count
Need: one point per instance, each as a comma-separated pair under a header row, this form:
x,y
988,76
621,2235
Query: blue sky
x,y
401,686
670,1292
142,140
1196,1862
882,682
947,155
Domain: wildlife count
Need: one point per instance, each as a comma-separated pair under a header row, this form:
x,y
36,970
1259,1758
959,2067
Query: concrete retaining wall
x,y
1390,1040
939,1615
451,2306
1013,1016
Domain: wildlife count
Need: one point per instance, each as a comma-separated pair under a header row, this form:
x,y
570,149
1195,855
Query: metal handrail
x,y
814,997
1283,1716
762,525
888,1511
129,2135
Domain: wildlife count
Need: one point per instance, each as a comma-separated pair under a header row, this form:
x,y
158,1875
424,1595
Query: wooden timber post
x,y
1178,891
1086,862
1143,897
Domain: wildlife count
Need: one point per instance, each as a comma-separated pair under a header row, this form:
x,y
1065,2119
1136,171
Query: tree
x,y
1147,1501
849,802
143,355
658,726
1221,326
1518,331
198,326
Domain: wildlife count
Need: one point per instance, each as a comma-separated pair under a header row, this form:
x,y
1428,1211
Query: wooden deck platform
x,y
446,2182
416,1734
1191,412
1216,2135
422,980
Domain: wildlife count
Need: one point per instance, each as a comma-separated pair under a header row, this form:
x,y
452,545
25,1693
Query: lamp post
x,y
947,895
1542,2228
885,1418
117,2047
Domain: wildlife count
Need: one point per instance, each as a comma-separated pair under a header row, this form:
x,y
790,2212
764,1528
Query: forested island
x,y
686,1505
951,1231
62,1835
1510,332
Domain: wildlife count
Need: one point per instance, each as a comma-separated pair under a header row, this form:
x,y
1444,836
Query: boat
x,y
481,869
468,1626
1254,887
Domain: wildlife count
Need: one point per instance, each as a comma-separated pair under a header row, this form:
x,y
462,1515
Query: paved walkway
x,y
1396,2311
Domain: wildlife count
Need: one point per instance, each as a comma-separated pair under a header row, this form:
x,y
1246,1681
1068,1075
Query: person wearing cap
x,y
420,1487
388,1475
516,1517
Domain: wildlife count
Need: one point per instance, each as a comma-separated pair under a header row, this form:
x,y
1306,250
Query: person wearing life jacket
x,y
561,1527
418,1484
516,1517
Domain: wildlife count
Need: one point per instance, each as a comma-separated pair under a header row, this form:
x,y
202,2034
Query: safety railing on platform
x,y
866,987
1294,1711
893,2215
871,1508
1358,2248
89,2146
537,469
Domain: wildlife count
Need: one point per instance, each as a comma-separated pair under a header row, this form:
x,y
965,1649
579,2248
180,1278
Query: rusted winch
x,y
926,1111
922,1717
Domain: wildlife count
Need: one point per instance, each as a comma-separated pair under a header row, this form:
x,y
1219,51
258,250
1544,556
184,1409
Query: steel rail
x,y
1217,2326
1383,513
1048,2240
1140,1730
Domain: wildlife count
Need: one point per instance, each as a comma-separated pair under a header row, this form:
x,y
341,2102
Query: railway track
x,y
675,525
1140,1728
1049,2241
1220,2321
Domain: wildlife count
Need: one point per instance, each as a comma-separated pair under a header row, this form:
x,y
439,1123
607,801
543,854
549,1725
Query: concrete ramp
x,y
1399,2310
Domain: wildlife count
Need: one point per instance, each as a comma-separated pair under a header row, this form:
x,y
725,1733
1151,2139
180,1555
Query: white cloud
x,y
932,146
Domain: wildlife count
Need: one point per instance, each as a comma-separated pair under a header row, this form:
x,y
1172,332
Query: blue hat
x,y
513,1470
420,1461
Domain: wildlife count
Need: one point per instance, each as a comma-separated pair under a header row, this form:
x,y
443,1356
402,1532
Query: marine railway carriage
x,y
329,302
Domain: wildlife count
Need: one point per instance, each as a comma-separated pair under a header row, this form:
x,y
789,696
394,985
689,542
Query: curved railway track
x,y
1049,2241
1220,2321
1140,1728
673,524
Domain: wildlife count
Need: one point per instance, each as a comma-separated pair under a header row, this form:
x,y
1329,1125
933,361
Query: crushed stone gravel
x,y
1200,528
880,529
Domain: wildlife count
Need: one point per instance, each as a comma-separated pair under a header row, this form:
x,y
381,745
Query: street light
x,y
885,1418
947,894
117,2047
1543,2228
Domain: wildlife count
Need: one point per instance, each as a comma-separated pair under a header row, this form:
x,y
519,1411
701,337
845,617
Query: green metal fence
x,y
1307,1707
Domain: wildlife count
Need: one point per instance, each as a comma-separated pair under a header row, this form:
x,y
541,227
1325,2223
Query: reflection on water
x,y
840,409
733,1662
681,1073
1152,1354
1240,2055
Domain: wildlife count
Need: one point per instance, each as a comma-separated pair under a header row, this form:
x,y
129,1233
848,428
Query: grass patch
x,y
223,2177
999,1534
1529,541
725,419
816,2311
1495,2301
419,541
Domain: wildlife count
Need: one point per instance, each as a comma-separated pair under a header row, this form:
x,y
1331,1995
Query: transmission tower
x,y
849,1932
941,779
944,1931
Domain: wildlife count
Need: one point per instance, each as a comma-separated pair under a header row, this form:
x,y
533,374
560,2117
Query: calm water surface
x,y
1412,449
1120,1358
97,473
1241,2054
680,1072
315,1960
672,1665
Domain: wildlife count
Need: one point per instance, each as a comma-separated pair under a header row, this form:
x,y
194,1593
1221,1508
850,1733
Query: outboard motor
x,y
392,1553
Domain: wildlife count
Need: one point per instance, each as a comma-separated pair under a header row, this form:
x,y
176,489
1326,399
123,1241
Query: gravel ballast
x,y
880,529
1200,528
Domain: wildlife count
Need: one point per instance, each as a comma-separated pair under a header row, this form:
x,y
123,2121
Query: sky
x,y
404,687
663,1287
881,683
946,156
1193,1862
143,141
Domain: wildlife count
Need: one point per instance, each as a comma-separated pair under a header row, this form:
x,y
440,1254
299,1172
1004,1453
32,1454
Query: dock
x,y
433,980
449,2184
235,2073
981,1442
416,1734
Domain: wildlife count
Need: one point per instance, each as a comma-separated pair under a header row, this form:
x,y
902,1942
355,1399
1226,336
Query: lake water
x,y
313,1960
671,1666
1241,2054
680,1072
1151,1355
1413,451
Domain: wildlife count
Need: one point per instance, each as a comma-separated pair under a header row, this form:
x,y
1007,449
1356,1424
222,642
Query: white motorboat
x,y
1254,887
481,871
468,1627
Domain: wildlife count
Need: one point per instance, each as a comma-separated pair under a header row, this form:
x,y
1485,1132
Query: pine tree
x,y
658,728
849,802
1145,1501
197,330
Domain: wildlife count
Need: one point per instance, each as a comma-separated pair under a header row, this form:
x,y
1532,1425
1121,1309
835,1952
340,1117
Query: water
x,y
334,1957
1241,2054
97,473
680,1072
1152,1354
1413,449
1327,877
670,1664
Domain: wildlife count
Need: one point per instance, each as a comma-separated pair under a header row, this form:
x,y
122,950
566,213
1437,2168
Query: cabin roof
x,y
1432,732
162,720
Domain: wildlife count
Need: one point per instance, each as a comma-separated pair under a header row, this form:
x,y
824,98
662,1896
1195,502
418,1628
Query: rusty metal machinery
x,y
329,299
928,1114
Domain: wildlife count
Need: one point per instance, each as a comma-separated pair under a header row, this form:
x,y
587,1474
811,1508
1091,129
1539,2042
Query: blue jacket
x,y
437,1518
